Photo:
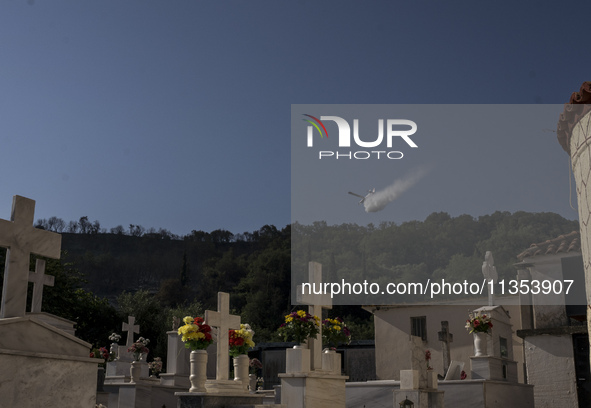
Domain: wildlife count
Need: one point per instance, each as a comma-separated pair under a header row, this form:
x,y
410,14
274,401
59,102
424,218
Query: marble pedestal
x,y
493,368
147,392
119,371
225,387
206,400
421,398
45,366
315,389
177,363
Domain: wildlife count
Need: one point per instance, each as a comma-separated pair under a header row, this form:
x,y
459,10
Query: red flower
x,y
476,323
207,336
463,375
490,324
205,328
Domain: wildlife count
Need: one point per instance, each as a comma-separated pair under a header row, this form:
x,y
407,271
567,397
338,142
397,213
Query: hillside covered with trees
x,y
104,276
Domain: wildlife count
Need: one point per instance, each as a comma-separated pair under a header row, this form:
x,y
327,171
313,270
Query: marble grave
x,y
50,366
317,384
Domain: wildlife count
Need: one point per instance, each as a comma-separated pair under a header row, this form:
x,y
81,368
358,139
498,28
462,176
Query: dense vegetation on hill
x,y
105,276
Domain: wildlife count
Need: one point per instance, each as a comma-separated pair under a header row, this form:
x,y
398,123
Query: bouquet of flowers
x,y
155,366
138,348
195,333
335,332
255,364
101,353
478,323
298,326
240,340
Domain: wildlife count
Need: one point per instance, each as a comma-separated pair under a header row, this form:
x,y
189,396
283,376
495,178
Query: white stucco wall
x,y
392,335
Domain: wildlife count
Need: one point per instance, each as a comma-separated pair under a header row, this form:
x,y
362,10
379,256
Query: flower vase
x,y
480,344
135,371
331,361
252,383
198,363
114,351
241,370
297,359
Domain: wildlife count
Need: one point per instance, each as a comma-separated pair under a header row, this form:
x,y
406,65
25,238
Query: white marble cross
x,y
130,328
490,273
223,321
39,279
22,239
315,302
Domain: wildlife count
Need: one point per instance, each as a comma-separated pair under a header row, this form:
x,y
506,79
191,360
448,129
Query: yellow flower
x,y
187,319
337,328
301,313
288,319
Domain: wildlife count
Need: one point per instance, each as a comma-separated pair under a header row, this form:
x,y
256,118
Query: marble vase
x,y
480,344
241,370
198,363
331,361
297,359
252,382
135,371
113,351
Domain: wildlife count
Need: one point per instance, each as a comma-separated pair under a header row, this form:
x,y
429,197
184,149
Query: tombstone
x,y
118,370
498,364
323,385
419,384
316,303
42,358
445,337
221,391
177,362
39,279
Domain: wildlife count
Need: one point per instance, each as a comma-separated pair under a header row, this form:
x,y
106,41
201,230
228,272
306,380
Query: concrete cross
x,y
445,337
224,321
22,240
39,279
315,302
490,273
130,328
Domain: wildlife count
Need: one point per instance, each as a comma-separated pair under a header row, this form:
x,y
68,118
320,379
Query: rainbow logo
x,y
316,126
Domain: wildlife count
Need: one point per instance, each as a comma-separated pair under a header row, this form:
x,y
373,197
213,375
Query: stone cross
x,y
223,321
445,337
490,273
315,302
418,361
39,279
130,328
22,239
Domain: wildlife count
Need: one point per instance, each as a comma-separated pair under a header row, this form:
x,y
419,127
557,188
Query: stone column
x,y
574,134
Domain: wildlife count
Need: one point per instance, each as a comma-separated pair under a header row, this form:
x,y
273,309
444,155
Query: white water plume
x,y
378,200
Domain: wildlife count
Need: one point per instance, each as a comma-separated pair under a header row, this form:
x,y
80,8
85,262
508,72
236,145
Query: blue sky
x,y
177,115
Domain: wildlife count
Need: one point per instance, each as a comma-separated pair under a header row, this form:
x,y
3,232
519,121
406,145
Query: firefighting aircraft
x,y
370,192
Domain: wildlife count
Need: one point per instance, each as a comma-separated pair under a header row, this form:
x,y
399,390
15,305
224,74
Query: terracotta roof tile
x,y
566,243
578,106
